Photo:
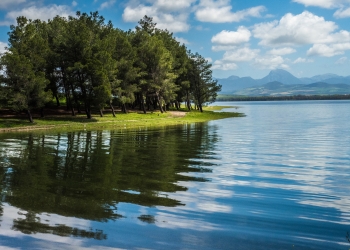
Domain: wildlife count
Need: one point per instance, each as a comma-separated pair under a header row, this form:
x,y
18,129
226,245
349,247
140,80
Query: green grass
x,y
130,120
215,108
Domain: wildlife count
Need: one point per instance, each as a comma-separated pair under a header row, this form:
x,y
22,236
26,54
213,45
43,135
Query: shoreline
x,y
121,121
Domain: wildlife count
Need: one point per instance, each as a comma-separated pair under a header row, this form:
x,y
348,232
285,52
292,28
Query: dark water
x,y
278,178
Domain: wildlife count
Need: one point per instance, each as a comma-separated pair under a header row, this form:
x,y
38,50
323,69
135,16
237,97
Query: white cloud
x,y
220,65
302,60
5,4
107,4
305,28
271,62
241,55
230,58
223,47
74,3
173,21
342,5
282,51
43,13
221,12
135,14
328,50
230,40
342,13
328,4
2,47
182,40
209,60
171,6
342,60
242,35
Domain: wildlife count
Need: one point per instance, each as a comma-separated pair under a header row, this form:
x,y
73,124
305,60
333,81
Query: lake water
x,y
278,178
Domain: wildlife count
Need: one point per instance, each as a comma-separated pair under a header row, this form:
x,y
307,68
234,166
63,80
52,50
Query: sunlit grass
x,y
130,120
216,108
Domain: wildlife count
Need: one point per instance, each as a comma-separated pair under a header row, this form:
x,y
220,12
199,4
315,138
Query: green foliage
x,y
27,87
90,63
203,87
24,64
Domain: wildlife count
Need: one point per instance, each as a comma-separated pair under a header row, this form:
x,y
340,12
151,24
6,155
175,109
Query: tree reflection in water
x,y
86,174
31,225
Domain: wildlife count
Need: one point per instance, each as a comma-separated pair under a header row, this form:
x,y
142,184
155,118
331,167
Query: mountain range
x,y
281,82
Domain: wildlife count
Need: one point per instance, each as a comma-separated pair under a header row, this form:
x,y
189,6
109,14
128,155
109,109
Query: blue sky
x,y
243,38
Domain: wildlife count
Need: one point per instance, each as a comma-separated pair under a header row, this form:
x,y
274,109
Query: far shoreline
x,y
232,98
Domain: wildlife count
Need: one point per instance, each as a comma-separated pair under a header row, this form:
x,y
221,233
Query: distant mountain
x,y
279,89
229,85
318,78
280,75
273,85
338,80
328,78
233,84
233,77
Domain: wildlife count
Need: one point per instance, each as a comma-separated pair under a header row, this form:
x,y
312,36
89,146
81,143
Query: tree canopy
x,y
90,64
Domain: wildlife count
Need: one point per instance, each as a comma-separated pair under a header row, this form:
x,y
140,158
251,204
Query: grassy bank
x,y
217,108
130,120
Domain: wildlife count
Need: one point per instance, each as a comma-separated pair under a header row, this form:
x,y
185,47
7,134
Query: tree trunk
x,y
139,100
142,104
177,105
57,101
159,104
42,112
68,102
101,113
200,107
188,103
148,103
29,116
78,107
72,110
112,108
88,112
124,108
189,107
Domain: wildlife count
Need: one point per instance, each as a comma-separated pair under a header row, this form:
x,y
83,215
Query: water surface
x,y
275,179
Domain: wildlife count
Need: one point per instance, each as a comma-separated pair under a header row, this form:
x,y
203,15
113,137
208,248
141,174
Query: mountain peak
x,y
281,75
233,77
279,71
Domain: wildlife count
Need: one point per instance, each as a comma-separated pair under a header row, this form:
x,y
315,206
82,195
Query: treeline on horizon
x,y
283,98
90,65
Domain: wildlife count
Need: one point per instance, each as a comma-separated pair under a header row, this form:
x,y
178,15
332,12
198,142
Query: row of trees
x,y
92,64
